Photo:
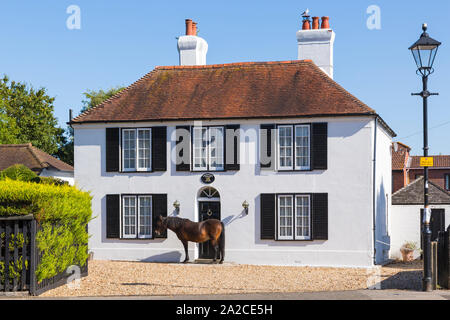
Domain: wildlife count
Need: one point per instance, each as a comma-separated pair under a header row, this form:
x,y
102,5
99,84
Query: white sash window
x,y
294,147
137,217
294,217
136,149
208,148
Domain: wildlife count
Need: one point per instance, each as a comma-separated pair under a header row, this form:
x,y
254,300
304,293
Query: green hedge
x,y
62,213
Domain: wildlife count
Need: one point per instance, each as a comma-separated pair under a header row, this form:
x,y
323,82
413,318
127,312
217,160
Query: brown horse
x,y
186,230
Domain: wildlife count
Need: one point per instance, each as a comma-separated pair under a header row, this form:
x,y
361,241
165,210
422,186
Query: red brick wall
x,y
397,180
435,175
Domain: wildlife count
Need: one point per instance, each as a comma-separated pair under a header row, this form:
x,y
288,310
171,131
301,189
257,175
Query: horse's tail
x,y
222,242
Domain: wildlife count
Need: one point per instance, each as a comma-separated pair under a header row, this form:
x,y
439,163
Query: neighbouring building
x,y
37,160
406,217
406,168
200,141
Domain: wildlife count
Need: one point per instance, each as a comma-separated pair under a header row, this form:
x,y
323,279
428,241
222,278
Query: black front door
x,y
208,210
437,223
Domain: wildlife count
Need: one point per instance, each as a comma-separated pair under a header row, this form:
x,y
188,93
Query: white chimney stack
x,y
192,49
317,44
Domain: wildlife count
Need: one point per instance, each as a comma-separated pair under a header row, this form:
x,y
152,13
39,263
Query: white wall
x,y
63,175
405,226
348,182
383,188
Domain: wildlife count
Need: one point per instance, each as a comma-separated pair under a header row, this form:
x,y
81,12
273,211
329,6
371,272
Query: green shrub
x,y
62,214
18,172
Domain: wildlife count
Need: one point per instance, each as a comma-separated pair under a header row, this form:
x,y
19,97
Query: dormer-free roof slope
x,y
31,157
226,91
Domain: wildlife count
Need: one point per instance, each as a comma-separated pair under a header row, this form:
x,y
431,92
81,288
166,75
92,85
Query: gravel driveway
x,y
113,278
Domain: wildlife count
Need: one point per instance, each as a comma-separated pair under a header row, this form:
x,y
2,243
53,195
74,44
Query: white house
x,y
406,217
312,161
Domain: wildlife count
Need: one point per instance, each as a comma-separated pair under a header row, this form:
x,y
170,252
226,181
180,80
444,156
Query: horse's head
x,y
161,225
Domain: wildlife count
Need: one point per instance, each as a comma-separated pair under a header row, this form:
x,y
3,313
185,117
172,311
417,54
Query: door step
x,y
204,261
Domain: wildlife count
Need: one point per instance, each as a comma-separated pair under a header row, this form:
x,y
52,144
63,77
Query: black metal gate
x,y
19,258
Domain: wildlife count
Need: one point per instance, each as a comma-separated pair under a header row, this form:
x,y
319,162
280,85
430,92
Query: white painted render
x,y
192,50
63,175
348,182
383,183
405,226
317,45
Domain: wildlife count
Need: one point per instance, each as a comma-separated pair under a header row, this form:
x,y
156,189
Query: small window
x,y
285,147
208,149
447,182
137,217
136,149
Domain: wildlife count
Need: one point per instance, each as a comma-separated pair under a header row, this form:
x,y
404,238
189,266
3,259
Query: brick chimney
x,y
317,44
192,49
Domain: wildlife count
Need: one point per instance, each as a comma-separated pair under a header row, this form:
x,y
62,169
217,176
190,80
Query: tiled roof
x,y
413,194
398,157
238,90
29,156
438,162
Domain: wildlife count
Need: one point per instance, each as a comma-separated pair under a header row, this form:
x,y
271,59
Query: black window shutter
x,y
181,132
112,216
232,140
112,149
267,146
268,216
159,209
159,149
319,152
320,216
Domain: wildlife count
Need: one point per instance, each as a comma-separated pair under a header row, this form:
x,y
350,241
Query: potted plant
x,y
407,251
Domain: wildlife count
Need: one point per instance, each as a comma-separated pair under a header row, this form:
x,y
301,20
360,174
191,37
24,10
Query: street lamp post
x,y
424,52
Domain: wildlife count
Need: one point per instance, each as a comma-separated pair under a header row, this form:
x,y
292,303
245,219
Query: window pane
x,y
129,216
216,148
302,147
129,149
144,145
285,217
302,222
285,147
145,217
200,147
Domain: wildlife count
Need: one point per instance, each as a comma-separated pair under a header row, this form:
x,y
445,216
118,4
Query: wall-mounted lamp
x,y
176,205
245,205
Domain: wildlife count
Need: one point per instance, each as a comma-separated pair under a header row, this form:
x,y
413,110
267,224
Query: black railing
x,y
19,258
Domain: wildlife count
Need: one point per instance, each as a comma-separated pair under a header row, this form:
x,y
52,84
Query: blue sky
x,y
120,41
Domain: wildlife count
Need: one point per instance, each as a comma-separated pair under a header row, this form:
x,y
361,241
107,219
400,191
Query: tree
x,y
8,130
29,112
94,98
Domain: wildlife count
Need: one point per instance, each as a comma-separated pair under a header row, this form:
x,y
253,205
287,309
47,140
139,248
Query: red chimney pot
x,y
194,28
188,27
325,23
315,23
306,25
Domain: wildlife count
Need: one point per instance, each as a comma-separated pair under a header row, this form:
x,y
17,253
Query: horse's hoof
x,y
185,261
221,261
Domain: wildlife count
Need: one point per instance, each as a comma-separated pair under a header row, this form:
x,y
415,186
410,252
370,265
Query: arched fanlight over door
x,y
209,193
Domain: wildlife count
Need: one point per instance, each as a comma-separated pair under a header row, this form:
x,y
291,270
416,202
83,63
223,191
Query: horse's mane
x,y
175,222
